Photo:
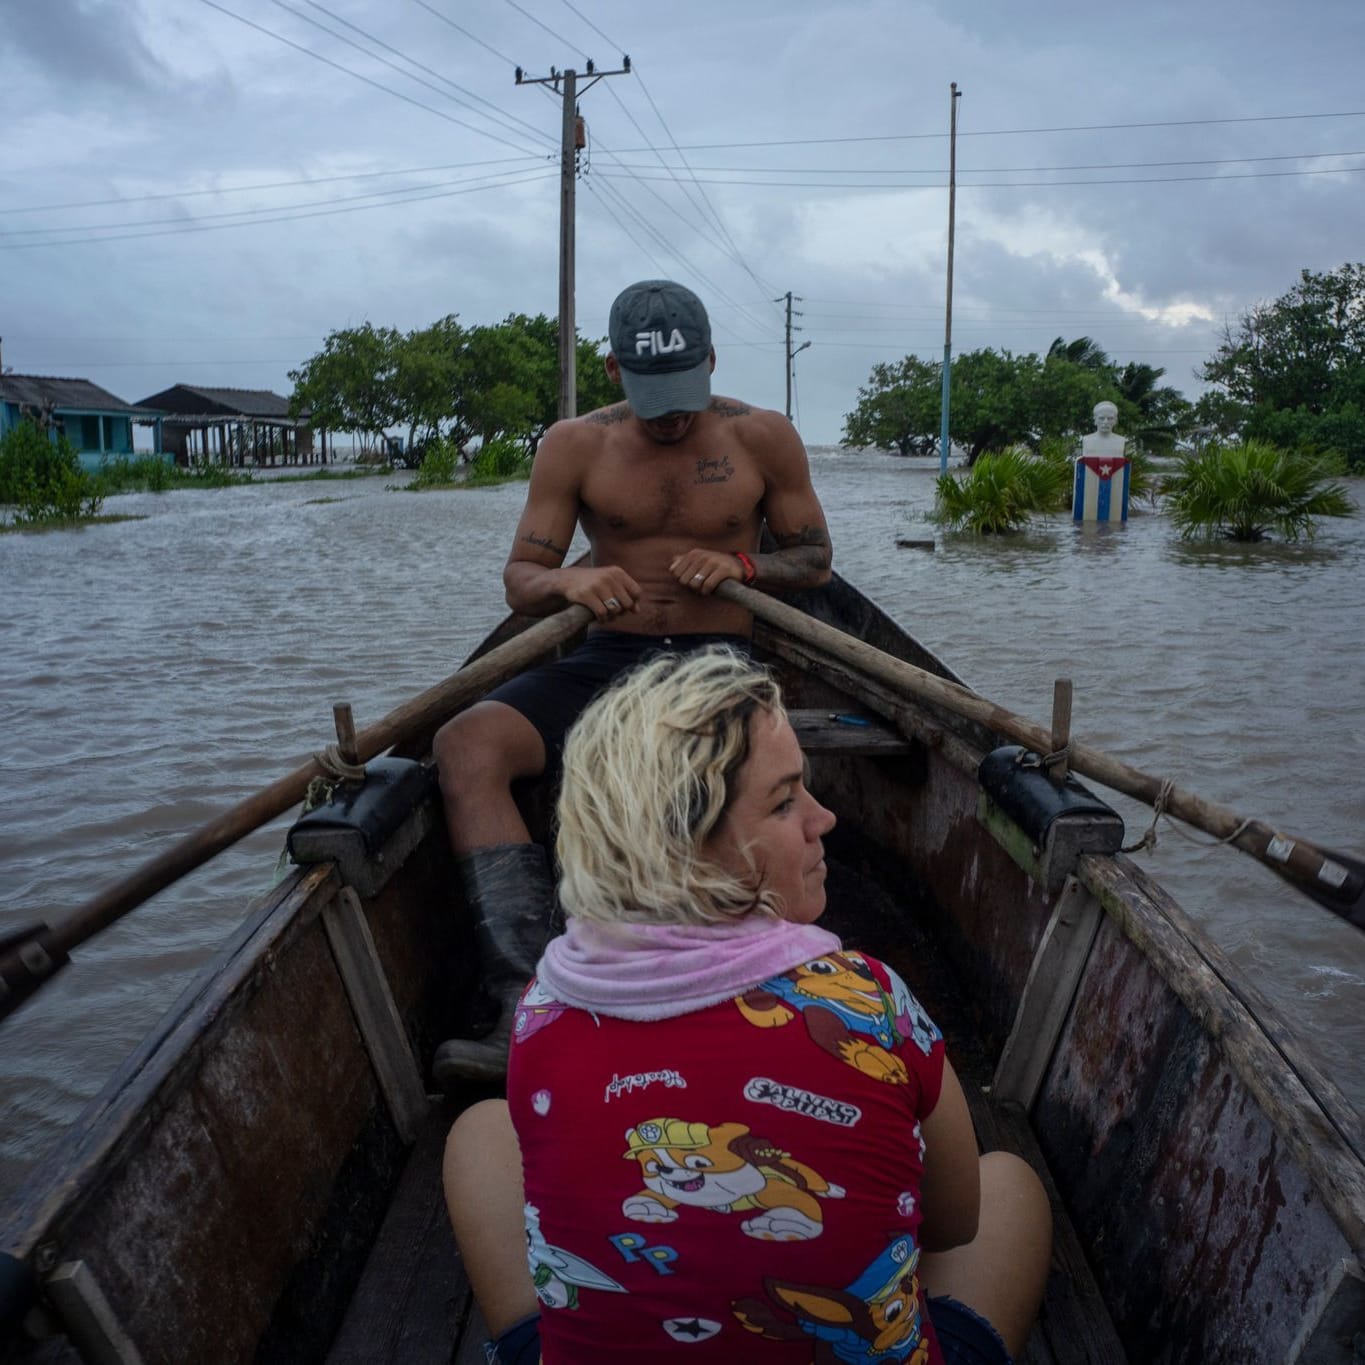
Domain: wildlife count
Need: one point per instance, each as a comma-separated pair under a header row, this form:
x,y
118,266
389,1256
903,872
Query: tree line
x,y
447,382
1290,372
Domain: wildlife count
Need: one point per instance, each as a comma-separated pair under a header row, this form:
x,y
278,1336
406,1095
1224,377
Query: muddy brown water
x,y
153,672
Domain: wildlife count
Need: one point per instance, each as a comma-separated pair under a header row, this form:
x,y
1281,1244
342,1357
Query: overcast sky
x,y
198,191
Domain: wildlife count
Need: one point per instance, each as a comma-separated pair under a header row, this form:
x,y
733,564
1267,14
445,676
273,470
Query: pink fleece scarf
x,y
658,971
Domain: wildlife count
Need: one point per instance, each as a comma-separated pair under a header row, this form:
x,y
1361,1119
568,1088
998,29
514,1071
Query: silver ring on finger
x,y
612,604
697,577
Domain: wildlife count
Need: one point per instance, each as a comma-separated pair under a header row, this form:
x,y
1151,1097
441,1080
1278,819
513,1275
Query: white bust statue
x,y
1104,441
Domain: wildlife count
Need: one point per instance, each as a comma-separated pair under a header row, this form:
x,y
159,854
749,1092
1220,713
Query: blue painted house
x,y
98,424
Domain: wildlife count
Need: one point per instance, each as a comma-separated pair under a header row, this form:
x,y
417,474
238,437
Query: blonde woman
x,y
726,1137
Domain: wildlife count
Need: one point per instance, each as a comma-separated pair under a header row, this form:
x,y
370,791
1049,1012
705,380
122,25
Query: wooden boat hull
x,y
220,1198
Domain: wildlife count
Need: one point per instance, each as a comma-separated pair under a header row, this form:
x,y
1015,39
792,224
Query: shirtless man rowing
x,y
672,488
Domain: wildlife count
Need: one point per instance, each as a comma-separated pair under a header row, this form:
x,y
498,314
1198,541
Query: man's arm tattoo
x,y
802,560
545,543
807,535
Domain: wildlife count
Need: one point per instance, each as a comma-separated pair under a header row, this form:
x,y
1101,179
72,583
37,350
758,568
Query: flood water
x,y
154,672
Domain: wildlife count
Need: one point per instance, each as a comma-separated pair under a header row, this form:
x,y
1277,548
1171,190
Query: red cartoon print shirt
x,y
739,1183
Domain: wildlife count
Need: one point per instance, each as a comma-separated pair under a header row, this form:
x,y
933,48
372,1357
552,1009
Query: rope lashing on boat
x,y
337,768
1026,759
335,771
1062,755
1148,838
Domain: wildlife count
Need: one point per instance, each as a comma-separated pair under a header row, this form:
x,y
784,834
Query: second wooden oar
x,y
1335,880
31,955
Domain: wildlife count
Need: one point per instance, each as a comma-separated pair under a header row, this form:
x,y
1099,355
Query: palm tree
x,y
1245,491
1084,351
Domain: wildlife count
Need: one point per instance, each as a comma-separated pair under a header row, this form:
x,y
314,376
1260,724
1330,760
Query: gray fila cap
x,y
661,338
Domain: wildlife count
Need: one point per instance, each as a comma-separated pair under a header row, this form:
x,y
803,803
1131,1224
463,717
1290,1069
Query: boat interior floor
x,y
414,1305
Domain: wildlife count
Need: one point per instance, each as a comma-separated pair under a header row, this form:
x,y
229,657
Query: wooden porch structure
x,y
234,427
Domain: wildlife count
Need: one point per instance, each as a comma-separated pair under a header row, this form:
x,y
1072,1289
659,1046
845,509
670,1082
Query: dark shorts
x,y
553,696
964,1335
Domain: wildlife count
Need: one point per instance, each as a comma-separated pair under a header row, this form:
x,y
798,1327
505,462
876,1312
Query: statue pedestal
x,y
1101,488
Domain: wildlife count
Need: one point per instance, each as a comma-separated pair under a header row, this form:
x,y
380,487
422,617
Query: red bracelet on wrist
x,y
750,573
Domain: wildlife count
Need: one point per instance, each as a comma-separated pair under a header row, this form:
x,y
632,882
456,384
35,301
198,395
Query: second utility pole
x,y
791,355
948,316
570,142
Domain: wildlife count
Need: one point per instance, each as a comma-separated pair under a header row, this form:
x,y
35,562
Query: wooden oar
x,y
29,956
1334,880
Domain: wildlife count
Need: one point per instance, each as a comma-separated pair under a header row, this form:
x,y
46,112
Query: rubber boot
x,y
511,894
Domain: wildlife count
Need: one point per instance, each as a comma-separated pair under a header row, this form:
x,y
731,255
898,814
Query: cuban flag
x,y
1101,492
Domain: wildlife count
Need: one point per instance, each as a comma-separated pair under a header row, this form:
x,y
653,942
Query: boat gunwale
x,y
108,1128
1146,914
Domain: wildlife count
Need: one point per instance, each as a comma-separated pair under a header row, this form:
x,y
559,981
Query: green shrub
x,y
148,473
1244,492
43,479
1002,492
439,465
502,458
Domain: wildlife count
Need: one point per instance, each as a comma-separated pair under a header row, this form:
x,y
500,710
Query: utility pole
x,y
791,355
571,142
948,317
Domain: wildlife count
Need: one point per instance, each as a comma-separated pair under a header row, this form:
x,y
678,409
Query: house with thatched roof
x,y
231,426
97,423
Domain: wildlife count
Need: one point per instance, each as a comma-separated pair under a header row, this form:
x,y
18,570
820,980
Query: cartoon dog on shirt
x,y
846,1012
727,1170
877,1317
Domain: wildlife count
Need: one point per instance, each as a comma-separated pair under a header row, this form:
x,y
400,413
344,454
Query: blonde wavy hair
x,y
649,772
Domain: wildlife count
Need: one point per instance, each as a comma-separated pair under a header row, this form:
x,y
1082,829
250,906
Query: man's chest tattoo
x,y
714,471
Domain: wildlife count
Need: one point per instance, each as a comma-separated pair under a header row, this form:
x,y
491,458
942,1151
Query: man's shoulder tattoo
x,y
609,417
727,407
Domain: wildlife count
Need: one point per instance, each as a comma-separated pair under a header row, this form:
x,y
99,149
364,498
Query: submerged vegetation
x,y
155,474
440,467
1003,492
42,479
496,461
1247,491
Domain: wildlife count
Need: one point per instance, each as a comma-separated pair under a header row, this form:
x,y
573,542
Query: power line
x,y
601,198
695,270
196,226
473,38
1009,132
559,38
591,25
762,286
378,85
731,248
700,227
1033,184
269,208
506,118
375,56
270,185
1001,170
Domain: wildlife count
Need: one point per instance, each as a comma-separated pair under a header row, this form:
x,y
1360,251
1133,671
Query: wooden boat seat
x,y
823,732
